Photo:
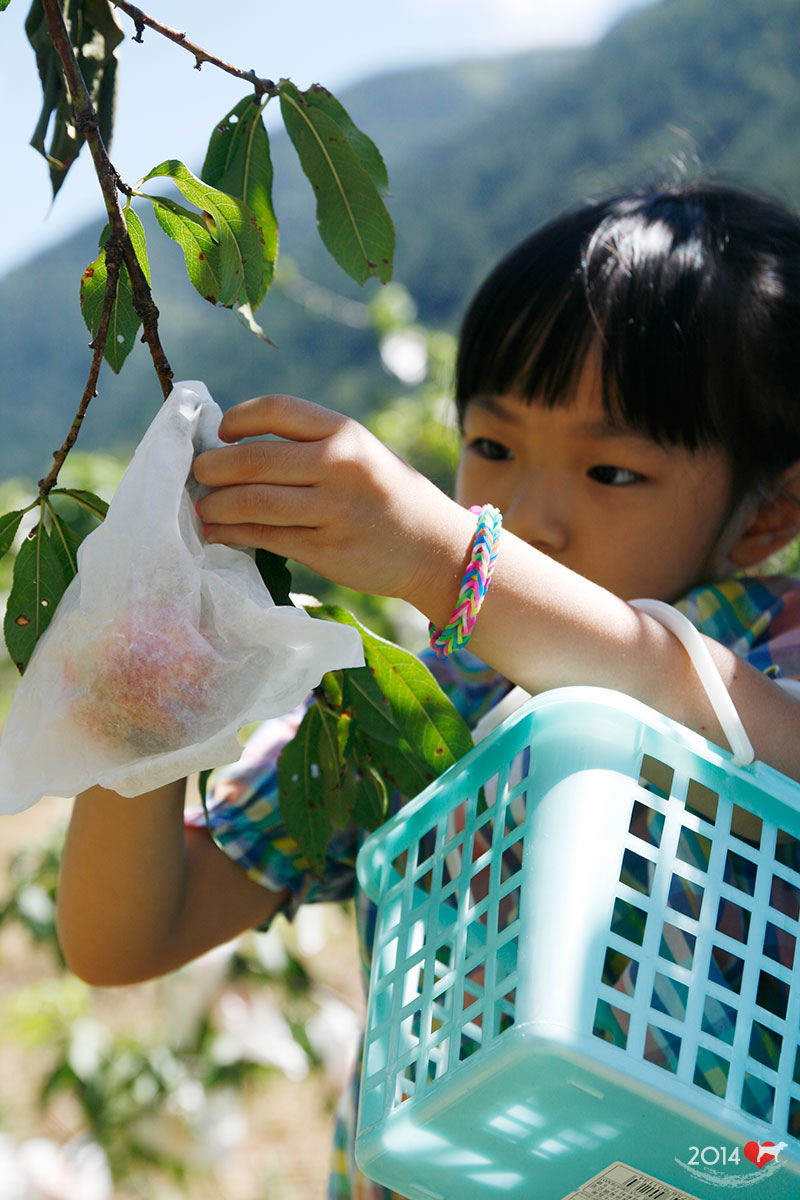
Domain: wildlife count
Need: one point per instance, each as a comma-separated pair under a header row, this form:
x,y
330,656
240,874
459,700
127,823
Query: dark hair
x,y
692,294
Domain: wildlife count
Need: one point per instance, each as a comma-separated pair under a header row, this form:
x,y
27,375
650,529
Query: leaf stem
x,y
142,19
110,185
98,345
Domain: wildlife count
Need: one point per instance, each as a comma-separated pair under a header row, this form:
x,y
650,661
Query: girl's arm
x,y
578,633
333,497
139,894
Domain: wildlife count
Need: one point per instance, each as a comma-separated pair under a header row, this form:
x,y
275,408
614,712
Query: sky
x,y
166,109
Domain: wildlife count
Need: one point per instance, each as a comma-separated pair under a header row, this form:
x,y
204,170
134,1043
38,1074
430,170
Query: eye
x,y
490,449
613,476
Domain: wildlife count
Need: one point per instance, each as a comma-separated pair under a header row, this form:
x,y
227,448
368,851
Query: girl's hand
x,y
333,497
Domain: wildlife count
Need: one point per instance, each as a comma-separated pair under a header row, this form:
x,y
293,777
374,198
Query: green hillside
x,y
686,86
477,156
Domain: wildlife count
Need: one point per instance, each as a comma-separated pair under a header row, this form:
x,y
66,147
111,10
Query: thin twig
x,y
141,19
110,183
113,264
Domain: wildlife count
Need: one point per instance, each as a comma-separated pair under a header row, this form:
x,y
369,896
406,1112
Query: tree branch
x,y
110,183
141,19
98,345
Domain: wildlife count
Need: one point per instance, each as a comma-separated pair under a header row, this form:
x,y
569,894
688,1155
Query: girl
x,y
627,392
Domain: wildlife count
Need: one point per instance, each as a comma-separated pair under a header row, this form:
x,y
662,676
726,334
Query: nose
x,y
535,510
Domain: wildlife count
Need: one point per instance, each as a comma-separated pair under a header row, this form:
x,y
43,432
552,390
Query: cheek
x,y
468,481
646,555
676,558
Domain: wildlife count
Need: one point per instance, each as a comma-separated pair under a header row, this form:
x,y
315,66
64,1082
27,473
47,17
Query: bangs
x,y
637,299
685,298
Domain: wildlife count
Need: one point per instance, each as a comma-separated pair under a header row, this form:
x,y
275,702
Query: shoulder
x,y
755,616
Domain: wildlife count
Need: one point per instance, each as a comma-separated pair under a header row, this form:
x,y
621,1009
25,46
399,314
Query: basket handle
x,y
717,692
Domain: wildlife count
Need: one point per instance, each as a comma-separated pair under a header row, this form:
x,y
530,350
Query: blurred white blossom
x,y
269,948
405,354
41,1169
254,1029
333,1032
195,1128
90,1044
36,904
310,927
189,993
12,1184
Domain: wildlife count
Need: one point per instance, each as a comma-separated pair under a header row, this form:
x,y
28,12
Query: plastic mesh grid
x,y
708,895
448,939
646,983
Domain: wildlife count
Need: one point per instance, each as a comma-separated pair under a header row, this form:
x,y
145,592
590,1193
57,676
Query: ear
x,y
771,522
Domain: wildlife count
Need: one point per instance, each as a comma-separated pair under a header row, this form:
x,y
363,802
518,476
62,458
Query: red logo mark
x,y
761,1153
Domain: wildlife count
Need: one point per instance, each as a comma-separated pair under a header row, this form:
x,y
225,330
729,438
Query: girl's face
x,y
606,501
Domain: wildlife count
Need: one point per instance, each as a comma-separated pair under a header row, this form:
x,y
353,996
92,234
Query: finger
x,y
252,535
284,416
260,504
269,461
290,542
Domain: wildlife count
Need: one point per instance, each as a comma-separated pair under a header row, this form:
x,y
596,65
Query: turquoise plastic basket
x,y
584,954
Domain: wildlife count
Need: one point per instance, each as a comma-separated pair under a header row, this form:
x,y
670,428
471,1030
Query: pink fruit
x,y
146,684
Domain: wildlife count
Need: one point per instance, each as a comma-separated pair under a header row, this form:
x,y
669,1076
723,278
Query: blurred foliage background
x,y
201,1081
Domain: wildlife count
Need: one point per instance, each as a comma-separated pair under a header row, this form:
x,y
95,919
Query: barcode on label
x,y
620,1181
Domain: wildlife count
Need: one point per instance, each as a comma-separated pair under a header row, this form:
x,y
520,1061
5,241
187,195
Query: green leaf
x,y
65,540
385,725
276,576
238,163
39,583
367,152
353,222
371,807
95,35
4,5
411,699
331,688
339,800
226,265
382,739
344,734
138,241
302,789
125,323
202,787
200,250
88,500
9,524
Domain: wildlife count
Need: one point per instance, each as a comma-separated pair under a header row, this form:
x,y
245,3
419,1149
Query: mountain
x,y
478,155
682,87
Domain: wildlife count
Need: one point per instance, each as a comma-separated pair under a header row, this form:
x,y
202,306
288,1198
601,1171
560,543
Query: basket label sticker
x,y
619,1182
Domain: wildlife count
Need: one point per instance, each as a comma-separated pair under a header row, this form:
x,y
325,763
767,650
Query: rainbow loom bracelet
x,y
474,585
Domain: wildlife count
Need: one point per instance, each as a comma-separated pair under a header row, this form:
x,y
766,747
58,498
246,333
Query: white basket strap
x,y
708,673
